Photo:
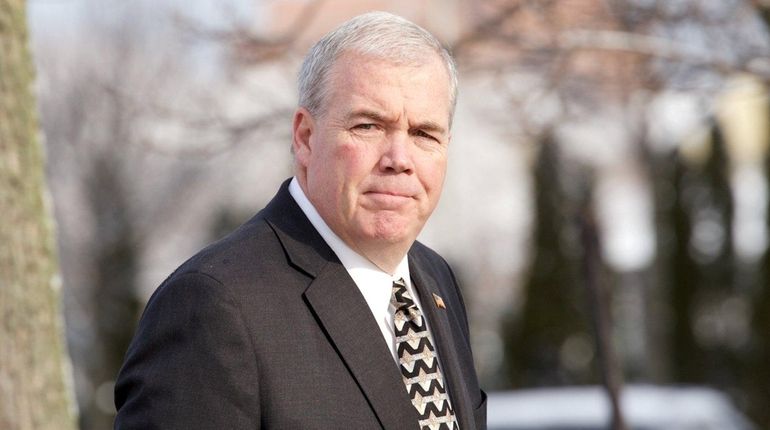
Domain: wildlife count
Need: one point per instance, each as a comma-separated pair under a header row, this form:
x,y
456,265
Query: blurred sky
x,y
69,23
50,14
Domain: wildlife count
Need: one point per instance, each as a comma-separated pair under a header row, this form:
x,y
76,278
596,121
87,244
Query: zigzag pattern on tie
x,y
401,299
406,343
410,317
435,409
433,387
409,330
411,367
419,365
445,422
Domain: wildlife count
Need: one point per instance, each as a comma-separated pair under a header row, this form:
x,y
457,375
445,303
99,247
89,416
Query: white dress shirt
x,y
375,285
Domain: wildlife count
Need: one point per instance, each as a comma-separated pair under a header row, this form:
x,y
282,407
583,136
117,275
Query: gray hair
x,y
379,34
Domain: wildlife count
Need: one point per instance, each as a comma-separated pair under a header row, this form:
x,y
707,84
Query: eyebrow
x,y
429,126
367,113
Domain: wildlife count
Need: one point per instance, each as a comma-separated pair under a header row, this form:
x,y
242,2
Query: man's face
x,y
374,158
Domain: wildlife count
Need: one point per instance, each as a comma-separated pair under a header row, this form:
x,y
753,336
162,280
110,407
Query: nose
x,y
396,157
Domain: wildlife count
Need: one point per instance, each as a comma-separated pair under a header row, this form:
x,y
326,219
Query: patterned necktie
x,y
419,364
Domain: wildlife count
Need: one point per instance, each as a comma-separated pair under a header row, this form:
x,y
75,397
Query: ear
x,y
303,130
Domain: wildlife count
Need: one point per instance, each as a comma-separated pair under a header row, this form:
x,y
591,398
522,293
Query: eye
x,y
365,126
423,134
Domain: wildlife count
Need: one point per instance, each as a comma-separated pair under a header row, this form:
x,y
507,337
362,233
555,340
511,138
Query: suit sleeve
x,y
191,363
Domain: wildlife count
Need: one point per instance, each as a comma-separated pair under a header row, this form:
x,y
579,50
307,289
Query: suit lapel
x,y
343,313
438,319
346,317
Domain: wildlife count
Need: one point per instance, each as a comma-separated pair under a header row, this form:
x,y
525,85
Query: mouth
x,y
389,193
388,199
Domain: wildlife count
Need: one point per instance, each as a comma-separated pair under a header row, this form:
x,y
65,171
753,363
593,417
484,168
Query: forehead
x,y
422,85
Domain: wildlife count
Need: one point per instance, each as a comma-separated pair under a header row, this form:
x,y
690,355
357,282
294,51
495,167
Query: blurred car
x,y
645,407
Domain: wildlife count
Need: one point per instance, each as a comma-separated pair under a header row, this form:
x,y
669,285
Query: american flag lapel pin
x,y
439,301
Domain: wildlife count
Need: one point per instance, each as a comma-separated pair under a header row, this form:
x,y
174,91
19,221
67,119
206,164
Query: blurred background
x,y
606,207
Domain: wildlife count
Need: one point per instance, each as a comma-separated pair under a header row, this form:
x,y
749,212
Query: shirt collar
x,y
354,262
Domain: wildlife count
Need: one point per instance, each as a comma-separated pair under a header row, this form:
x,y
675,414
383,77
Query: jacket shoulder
x,y
244,252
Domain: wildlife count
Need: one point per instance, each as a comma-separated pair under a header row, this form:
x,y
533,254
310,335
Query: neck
x,y
385,258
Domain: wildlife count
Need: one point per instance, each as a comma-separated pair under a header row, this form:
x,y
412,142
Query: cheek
x,y
434,172
344,171
356,161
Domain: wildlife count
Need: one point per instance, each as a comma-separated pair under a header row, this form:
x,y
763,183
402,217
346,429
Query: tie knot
x,y
400,297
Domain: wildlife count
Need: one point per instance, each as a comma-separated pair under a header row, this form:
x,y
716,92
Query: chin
x,y
390,228
391,238
393,234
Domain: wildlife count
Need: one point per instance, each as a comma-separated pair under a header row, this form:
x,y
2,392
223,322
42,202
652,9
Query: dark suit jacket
x,y
266,329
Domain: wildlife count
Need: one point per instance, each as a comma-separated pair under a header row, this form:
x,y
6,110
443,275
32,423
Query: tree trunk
x,y
33,361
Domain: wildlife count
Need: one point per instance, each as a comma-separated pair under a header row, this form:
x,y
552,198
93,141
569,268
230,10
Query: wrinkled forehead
x,y
345,68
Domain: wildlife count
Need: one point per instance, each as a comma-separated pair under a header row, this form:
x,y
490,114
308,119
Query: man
x,y
323,312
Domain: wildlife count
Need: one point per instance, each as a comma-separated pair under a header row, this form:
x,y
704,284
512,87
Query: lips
x,y
390,193
386,199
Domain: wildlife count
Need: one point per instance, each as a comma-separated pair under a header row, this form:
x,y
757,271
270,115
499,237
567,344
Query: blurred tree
x,y
113,298
676,286
549,341
33,362
595,277
757,373
718,270
701,269
698,271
